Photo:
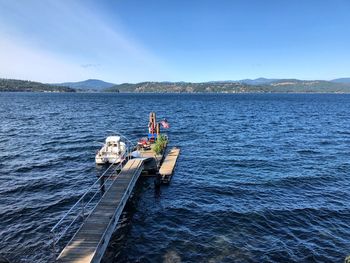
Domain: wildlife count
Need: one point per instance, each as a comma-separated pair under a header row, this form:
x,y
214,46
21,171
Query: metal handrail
x,y
81,199
86,204
83,205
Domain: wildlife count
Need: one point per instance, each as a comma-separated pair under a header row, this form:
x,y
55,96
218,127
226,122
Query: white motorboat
x,y
113,151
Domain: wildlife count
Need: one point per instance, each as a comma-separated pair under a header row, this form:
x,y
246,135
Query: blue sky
x,y
132,41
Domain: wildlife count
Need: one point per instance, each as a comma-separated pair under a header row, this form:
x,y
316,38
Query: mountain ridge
x,y
260,85
87,85
341,80
271,85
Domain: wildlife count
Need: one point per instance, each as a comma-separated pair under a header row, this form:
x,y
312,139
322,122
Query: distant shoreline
x,y
215,87
170,93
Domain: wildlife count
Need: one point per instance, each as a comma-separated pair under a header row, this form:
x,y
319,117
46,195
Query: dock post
x,y
102,185
157,180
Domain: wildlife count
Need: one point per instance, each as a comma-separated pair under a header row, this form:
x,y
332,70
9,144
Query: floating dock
x,y
167,169
90,241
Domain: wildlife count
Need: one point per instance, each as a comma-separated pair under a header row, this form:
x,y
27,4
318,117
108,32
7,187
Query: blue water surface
x,y
261,177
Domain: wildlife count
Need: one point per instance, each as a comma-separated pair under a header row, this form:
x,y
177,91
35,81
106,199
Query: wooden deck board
x,y
169,163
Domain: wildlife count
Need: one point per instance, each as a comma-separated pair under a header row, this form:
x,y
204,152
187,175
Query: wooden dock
x,y
167,169
91,240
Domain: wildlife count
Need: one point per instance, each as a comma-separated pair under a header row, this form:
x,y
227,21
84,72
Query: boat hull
x,y
101,159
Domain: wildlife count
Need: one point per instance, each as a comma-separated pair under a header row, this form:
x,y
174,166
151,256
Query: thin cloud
x,y
63,34
91,65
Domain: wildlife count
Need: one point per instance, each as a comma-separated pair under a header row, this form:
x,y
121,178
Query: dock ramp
x,y
91,240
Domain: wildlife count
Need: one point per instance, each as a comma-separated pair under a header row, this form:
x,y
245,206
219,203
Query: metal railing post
x,y
83,209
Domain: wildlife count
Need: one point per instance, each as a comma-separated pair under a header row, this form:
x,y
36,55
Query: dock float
x,y
167,168
91,240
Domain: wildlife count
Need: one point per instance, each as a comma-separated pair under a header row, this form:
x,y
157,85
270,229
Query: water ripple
x,y
261,177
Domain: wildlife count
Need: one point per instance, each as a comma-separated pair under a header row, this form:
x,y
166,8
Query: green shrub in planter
x,y
160,144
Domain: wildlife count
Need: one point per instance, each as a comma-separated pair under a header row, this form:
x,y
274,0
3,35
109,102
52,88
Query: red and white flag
x,y
165,124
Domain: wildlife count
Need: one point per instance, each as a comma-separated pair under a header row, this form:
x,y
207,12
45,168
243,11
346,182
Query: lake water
x,y
261,177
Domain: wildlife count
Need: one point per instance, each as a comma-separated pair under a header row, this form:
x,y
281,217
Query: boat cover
x,y
113,139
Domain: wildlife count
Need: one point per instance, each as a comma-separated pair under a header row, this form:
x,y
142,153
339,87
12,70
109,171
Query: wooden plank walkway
x,y
168,165
91,240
